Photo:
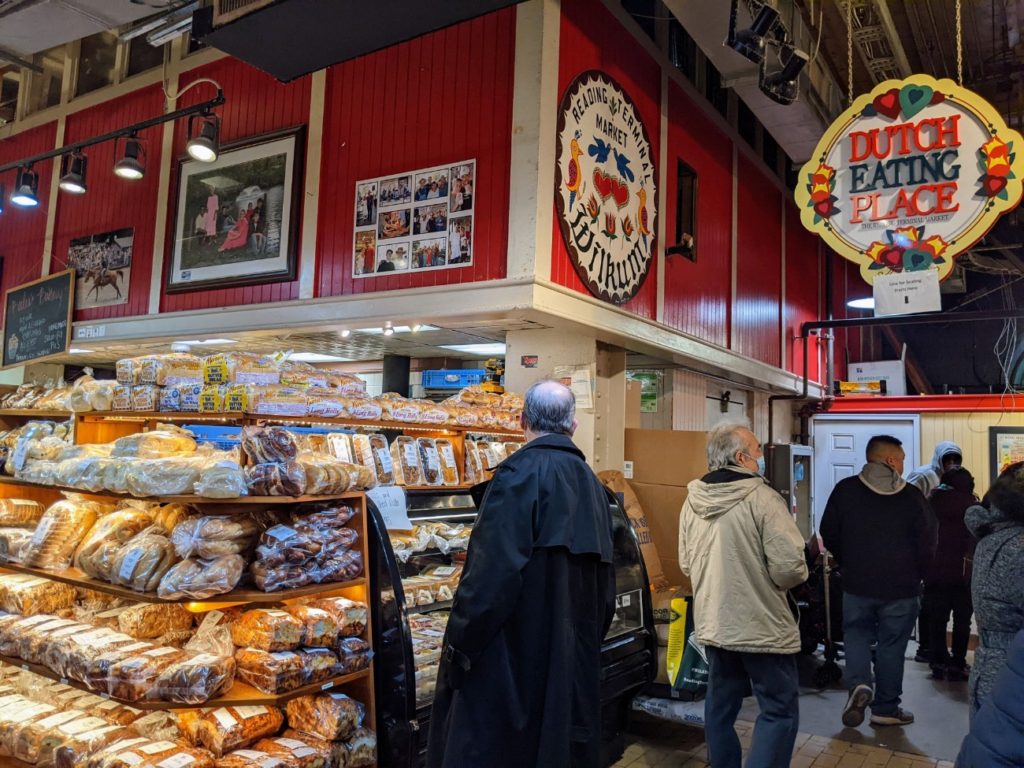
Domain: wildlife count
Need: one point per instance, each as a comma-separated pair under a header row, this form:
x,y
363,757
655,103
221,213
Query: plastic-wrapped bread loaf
x,y
269,445
354,654
224,729
349,615
142,562
270,672
331,716
446,458
157,444
60,530
147,621
210,536
319,629
202,579
406,458
240,368
170,476
250,758
361,747
95,555
296,753
325,475
132,678
19,511
170,369
13,542
430,462
275,479
31,595
33,641
267,630
318,664
223,479
152,753
73,751
194,680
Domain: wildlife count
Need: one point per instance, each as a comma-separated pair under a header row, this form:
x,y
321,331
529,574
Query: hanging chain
x,y
959,47
849,51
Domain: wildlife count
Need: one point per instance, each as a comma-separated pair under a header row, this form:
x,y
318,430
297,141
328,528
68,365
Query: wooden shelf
x,y
197,501
240,694
77,578
440,605
41,413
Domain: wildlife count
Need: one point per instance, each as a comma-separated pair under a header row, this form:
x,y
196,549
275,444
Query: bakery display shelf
x,y
440,605
239,695
78,578
196,501
41,413
224,416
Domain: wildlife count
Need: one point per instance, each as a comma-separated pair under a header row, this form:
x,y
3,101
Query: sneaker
x,y
899,717
853,712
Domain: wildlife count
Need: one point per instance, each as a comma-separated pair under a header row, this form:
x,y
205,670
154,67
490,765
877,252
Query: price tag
x,y
328,684
390,501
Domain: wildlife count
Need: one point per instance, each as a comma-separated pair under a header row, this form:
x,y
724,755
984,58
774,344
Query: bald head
x,y
549,407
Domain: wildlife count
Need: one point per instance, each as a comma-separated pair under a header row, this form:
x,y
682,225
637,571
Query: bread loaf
x,y
142,562
270,672
73,751
95,555
331,716
296,753
319,630
30,595
269,445
267,630
19,511
348,614
250,758
151,620
224,729
59,532
157,444
132,678
276,479
160,754
194,680
354,654
208,537
202,579
318,664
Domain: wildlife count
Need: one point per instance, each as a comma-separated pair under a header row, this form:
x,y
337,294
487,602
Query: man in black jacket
x,y
882,533
519,681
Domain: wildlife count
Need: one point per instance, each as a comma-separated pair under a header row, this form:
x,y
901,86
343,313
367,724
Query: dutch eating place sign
x,y
911,175
604,187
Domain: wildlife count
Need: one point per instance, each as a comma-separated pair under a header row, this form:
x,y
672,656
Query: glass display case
x,y
414,578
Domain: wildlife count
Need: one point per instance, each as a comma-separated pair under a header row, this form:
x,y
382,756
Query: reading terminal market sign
x,y
911,175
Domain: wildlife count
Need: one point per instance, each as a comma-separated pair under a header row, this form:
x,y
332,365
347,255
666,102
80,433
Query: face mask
x,y
760,465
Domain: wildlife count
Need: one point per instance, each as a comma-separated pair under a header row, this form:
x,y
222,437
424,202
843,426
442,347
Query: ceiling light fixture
x,y
864,303
345,333
79,351
750,43
389,329
132,163
26,188
204,341
204,144
316,357
484,350
783,87
72,173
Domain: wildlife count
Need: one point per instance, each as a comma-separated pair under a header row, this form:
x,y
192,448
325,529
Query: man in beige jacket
x,y
742,551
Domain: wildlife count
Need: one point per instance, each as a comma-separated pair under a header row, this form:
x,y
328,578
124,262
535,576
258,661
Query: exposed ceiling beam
x,y
13,58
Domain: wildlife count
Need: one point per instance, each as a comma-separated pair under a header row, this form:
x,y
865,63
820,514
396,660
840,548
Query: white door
x,y
840,441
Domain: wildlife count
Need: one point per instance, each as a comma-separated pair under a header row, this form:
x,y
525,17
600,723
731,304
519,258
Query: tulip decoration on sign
x,y
911,175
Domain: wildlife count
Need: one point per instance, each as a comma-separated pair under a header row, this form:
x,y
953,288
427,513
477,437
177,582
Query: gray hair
x,y
549,407
724,440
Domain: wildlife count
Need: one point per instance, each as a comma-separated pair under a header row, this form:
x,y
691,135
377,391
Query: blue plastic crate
x,y
223,438
452,379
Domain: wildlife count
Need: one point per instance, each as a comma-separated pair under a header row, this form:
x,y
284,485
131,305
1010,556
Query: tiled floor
x,y
654,742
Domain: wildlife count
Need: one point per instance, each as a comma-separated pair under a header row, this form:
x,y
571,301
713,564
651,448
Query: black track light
x,y
131,165
750,42
203,144
72,173
26,188
783,86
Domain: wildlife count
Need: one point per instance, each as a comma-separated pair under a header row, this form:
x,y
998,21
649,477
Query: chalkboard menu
x,y
37,319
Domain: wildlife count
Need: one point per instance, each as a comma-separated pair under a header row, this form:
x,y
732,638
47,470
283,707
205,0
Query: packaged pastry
x,y
241,398
296,753
337,566
319,630
267,630
297,543
195,679
397,408
406,458
132,678
318,517
222,479
227,728
341,447
33,640
211,399
151,620
73,751
324,474
511,448
122,398
171,369
142,562
31,595
114,712
349,615
188,396
361,748
354,654
163,755
272,578
95,555
12,544
201,579
78,654
145,397
430,462
159,726
251,758
153,445
20,512
169,400
448,464
330,716
275,479
59,532
276,400
36,740
240,368
269,444
364,409
270,672
167,516
127,371
209,536
318,664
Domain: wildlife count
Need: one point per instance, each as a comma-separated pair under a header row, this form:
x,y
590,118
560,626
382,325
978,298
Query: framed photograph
x,y
408,221
237,219
103,268
1005,447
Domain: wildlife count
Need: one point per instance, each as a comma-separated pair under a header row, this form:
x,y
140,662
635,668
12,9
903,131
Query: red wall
x,y
440,98
803,278
22,230
112,202
756,316
697,293
256,104
591,38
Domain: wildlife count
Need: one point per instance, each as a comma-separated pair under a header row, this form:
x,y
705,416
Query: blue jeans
x,y
774,680
887,625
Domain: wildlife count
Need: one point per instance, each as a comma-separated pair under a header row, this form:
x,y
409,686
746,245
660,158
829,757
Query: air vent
x,y
226,11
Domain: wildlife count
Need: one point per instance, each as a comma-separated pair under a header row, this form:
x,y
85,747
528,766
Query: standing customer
x,y
742,550
882,533
520,676
997,580
947,581
996,738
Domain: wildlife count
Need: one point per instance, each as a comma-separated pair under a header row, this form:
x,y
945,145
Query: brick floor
x,y
654,742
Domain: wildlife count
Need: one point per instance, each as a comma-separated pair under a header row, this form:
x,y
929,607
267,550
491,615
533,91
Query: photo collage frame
x,y
415,221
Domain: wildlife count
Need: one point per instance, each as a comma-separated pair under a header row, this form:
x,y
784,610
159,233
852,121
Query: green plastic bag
x,y
687,662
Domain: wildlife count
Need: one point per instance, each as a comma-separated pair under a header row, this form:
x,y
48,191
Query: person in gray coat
x,y
997,578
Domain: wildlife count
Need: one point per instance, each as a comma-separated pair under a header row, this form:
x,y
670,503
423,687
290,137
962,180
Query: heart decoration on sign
x,y
993,185
888,103
914,98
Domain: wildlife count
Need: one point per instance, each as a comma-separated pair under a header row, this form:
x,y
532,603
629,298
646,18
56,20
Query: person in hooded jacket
x,y
947,581
881,532
742,550
997,578
996,738
519,682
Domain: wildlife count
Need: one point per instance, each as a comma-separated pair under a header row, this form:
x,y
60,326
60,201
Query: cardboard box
x,y
666,457
662,504
633,404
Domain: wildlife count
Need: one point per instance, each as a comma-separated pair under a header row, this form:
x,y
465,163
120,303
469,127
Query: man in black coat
x,y
519,681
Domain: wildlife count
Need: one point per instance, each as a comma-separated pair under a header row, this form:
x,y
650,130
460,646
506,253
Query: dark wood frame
x,y
68,274
292,242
